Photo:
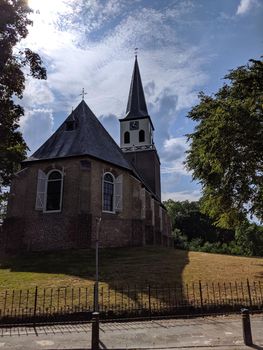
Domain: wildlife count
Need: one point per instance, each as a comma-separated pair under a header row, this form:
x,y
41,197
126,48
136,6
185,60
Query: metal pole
x,y
247,335
35,305
95,315
96,296
95,336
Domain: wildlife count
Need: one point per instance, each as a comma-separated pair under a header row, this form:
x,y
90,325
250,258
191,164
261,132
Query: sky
x,y
184,47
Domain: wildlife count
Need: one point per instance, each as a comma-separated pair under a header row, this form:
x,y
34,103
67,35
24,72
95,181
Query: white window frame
x,y
118,193
113,204
41,190
61,193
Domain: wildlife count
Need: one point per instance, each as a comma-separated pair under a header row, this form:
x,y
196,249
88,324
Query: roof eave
x,y
28,160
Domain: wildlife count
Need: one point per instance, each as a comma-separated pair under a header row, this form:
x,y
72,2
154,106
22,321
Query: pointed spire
x,y
136,106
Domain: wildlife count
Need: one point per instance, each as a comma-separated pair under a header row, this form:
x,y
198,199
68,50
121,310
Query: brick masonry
x,y
28,229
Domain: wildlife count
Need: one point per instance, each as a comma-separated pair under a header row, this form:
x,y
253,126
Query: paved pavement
x,y
223,333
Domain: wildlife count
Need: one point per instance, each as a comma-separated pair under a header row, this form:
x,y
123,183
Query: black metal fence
x,y
68,304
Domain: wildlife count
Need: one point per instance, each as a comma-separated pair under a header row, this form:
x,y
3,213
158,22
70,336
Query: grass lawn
x,y
122,266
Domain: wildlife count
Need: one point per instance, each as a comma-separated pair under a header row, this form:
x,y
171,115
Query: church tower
x,y
136,135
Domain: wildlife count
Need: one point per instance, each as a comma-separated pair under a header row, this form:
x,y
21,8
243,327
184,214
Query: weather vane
x,y
136,51
83,94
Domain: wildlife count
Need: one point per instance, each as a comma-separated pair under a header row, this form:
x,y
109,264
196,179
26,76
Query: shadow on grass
x,y
118,267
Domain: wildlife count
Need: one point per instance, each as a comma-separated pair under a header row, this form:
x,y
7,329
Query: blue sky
x,y
184,47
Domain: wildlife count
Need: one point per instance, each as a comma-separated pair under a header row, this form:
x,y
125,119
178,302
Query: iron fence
x,y
64,303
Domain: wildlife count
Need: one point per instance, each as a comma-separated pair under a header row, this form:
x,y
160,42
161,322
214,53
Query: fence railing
x,y
66,303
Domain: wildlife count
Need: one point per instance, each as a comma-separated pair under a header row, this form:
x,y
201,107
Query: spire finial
x,y
136,52
83,93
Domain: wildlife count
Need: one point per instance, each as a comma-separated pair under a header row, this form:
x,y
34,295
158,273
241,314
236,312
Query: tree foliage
x,y
193,230
226,150
13,65
250,239
188,219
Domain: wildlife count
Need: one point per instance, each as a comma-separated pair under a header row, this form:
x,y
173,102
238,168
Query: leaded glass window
x,y
54,191
108,192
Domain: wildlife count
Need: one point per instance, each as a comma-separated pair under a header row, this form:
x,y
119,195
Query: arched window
x,y
108,192
126,137
141,136
54,191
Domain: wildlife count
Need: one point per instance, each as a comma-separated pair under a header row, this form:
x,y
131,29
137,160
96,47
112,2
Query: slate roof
x,y
88,138
136,106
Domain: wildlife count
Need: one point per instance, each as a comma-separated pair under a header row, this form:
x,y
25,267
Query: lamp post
x,y
95,337
96,290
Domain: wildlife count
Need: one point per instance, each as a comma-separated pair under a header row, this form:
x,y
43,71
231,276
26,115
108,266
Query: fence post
x,y
149,300
249,294
95,336
5,298
94,297
35,305
201,294
247,335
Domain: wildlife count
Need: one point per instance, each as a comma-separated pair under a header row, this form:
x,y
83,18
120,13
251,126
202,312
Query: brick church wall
x,y
70,228
120,228
75,226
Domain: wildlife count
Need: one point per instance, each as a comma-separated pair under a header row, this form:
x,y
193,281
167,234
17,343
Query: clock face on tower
x,y
134,125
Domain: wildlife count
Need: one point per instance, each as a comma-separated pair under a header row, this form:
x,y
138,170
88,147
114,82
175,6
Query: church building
x,y
80,181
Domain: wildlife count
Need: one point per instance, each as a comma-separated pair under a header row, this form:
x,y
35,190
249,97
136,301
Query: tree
x,y
14,64
226,150
187,219
249,238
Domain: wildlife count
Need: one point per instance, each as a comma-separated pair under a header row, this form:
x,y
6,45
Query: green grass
x,y
71,274
122,266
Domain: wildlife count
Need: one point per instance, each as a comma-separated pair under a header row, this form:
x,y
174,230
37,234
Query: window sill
x,y
108,212
51,211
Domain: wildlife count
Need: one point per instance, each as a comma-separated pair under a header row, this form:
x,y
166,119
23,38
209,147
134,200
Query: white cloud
x,y
174,148
91,15
177,167
74,63
182,196
111,124
173,156
37,126
102,64
37,93
245,6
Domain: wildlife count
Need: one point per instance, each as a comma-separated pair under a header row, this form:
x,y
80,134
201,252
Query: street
x,y
221,332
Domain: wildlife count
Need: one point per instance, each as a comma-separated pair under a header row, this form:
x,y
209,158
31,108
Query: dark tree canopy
x,y
187,218
226,150
13,28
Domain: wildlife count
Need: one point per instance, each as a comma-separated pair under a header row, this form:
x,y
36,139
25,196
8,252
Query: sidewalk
x,y
223,333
